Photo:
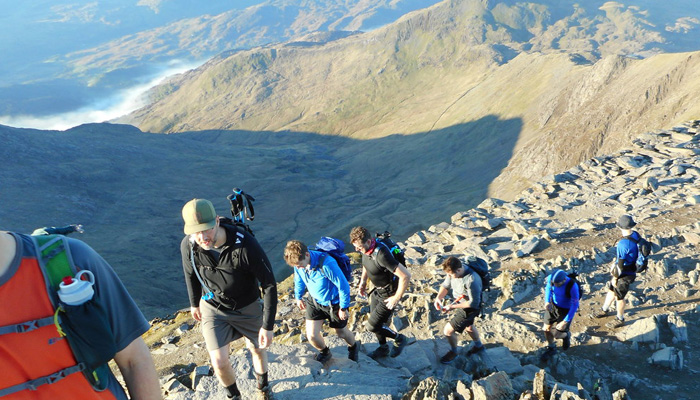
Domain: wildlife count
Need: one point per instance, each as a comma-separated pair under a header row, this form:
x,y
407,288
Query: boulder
x,y
496,386
668,357
642,331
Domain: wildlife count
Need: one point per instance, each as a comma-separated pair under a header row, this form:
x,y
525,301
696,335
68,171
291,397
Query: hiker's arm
x,y
363,283
573,305
548,294
440,296
194,288
254,256
404,276
335,275
473,299
136,365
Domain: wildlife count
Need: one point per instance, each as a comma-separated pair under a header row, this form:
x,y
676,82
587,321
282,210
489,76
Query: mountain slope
x,y
127,188
557,67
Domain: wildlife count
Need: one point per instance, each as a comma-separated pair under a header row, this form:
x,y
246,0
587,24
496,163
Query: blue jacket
x,y
627,251
557,296
326,284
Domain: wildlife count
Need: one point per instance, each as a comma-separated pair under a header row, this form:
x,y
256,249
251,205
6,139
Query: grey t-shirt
x,y
468,285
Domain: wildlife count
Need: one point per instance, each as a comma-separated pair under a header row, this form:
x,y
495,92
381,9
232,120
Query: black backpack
x,y
481,267
644,249
394,249
242,209
570,285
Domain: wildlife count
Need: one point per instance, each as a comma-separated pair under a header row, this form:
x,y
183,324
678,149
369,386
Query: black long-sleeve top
x,y
242,267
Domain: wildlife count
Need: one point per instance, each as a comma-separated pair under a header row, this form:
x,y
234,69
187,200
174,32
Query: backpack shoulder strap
x,y
54,259
569,286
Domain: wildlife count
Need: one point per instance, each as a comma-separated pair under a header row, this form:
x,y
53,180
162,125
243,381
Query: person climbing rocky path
x,y
565,221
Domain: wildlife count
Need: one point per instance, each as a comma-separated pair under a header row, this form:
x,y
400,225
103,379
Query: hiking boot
x,y
379,352
566,342
322,357
400,342
475,350
448,357
616,323
600,314
548,353
354,350
263,394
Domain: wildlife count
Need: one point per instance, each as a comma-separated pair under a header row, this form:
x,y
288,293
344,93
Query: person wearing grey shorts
x,y
225,270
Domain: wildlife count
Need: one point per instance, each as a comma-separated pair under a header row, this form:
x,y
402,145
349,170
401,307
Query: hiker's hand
x,y
548,306
196,314
561,326
343,314
301,304
78,228
447,308
264,338
363,291
391,302
438,304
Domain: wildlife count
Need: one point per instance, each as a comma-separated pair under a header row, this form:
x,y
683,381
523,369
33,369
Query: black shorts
x,y
463,318
623,285
317,312
557,314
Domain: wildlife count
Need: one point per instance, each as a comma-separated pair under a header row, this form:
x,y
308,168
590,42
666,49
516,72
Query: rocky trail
x,y
564,221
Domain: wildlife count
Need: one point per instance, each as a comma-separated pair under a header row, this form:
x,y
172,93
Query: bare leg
x,y
259,357
313,332
222,366
451,336
346,335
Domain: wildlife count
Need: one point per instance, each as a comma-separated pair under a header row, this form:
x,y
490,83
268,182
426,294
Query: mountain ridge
x,y
446,65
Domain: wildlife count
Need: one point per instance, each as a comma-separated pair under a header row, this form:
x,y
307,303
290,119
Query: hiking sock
x,y
387,333
381,338
262,380
232,391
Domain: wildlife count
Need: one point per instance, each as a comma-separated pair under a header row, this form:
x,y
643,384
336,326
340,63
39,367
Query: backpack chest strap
x,y
27,326
44,380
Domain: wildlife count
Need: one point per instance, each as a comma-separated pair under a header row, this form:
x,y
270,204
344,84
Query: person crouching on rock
x,y
466,289
561,301
318,274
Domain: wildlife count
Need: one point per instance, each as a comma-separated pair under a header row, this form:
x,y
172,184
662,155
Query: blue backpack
x,y
336,249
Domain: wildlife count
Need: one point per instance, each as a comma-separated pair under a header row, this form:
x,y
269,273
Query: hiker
x,y
390,279
319,274
466,289
62,230
37,361
561,301
224,267
623,271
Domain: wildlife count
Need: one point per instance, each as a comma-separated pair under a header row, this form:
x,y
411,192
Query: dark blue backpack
x,y
336,249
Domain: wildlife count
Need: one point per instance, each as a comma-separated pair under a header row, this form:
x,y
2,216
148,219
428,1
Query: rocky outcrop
x,y
571,218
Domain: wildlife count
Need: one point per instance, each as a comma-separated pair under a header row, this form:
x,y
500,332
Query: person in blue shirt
x,y
561,301
318,274
623,271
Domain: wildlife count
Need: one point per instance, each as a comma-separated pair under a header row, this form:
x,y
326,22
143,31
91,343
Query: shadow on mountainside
x,y
127,187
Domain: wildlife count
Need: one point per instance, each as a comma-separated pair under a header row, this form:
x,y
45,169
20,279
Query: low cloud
x,y
121,103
